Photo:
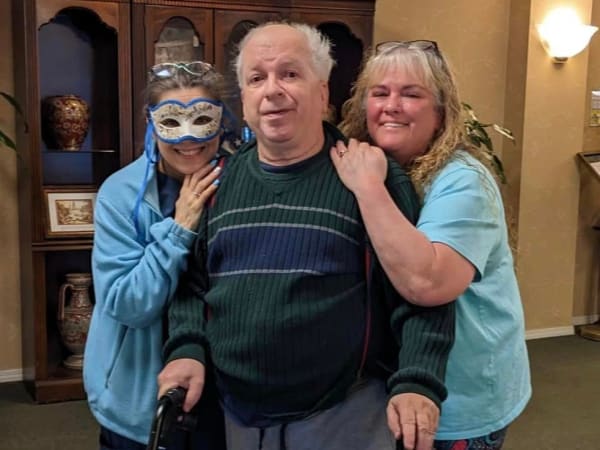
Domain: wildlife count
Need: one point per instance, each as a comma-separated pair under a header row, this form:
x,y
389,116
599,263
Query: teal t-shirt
x,y
488,376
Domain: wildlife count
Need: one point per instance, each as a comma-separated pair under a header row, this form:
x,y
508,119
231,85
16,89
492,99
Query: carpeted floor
x,y
564,413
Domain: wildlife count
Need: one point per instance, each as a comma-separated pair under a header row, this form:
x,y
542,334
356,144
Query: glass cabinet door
x,y
165,34
349,39
79,98
230,29
178,34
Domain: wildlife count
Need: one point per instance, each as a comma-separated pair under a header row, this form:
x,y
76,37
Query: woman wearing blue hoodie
x,y
146,215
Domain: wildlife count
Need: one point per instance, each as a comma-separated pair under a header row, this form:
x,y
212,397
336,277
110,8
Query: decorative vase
x,y
65,121
74,316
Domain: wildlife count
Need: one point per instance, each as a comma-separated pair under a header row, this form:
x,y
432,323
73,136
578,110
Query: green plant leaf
x,y
15,104
504,132
499,168
5,140
478,136
13,101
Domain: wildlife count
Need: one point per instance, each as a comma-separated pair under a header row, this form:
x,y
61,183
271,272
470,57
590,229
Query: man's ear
x,y
324,90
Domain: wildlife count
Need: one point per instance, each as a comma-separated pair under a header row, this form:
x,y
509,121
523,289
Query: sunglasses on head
x,y
170,69
388,46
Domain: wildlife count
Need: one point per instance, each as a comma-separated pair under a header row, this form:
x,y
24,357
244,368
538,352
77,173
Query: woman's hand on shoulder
x,y
359,164
196,190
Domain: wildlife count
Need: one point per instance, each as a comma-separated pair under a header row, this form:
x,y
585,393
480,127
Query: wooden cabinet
x,y
213,29
62,47
100,51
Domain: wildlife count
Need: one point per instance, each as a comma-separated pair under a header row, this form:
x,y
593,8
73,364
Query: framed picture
x,y
70,211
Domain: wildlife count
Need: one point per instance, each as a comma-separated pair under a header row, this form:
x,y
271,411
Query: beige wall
x,y
10,319
587,266
504,72
476,46
548,214
506,75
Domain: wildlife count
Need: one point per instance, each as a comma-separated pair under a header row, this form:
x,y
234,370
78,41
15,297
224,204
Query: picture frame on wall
x,y
69,211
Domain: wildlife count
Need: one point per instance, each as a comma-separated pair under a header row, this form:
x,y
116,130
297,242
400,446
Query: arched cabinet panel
x,y
174,33
348,53
231,28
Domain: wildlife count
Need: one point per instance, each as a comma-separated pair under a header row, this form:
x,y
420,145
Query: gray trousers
x,y
358,423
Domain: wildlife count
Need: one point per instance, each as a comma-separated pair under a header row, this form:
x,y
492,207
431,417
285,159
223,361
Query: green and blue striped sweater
x,y
280,265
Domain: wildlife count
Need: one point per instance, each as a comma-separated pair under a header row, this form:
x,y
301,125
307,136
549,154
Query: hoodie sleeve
x,y
133,281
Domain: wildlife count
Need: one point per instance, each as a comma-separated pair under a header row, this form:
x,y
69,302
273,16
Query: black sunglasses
x,y
388,46
170,69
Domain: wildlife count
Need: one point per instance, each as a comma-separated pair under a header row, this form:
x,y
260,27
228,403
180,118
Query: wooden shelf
x,y
79,152
62,245
56,389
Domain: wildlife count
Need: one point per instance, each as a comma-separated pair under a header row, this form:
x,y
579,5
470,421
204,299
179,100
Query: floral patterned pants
x,y
492,441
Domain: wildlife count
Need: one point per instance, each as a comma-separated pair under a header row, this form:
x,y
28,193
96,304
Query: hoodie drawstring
x,y
261,437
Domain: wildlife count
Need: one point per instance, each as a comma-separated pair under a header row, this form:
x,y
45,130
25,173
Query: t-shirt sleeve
x,y
462,209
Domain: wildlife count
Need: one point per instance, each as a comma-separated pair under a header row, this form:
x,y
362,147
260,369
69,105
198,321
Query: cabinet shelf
x,y
77,152
62,245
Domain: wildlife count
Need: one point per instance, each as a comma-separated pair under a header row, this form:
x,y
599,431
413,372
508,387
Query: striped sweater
x,y
287,293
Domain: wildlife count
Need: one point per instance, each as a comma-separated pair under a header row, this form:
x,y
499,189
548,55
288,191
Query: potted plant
x,y
478,136
5,140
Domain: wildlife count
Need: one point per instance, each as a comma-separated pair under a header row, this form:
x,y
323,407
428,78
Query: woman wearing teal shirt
x,y
406,103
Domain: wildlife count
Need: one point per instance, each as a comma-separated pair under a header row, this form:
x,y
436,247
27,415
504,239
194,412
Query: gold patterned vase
x,y
74,316
65,121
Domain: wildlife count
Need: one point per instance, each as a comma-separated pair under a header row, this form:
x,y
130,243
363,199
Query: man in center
x,y
310,345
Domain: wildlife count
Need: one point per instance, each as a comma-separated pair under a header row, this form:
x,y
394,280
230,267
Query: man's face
x,y
283,99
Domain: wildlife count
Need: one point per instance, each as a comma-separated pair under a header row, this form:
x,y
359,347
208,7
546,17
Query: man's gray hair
x,y
319,47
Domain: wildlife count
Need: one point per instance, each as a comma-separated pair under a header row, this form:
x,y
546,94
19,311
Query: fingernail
x,y
213,162
217,169
216,182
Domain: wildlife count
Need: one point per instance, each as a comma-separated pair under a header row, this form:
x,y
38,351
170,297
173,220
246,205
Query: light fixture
x,y
563,35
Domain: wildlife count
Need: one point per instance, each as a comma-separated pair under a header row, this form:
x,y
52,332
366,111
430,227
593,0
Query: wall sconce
x,y
563,35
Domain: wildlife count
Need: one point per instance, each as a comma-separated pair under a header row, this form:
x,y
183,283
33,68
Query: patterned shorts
x,y
492,441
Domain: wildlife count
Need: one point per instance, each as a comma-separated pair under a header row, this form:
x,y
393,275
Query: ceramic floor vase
x,y
74,316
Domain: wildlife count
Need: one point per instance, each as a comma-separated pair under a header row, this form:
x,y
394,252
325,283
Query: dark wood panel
x,y
58,389
97,54
367,6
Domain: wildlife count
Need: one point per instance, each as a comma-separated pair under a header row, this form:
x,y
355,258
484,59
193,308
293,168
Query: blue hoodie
x,y
135,272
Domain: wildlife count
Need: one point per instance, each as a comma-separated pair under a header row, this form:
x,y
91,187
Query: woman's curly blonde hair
x,y
430,66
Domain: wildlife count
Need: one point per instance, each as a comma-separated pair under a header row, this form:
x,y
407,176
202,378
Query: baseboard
x,y
549,332
561,331
585,320
7,376
17,374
